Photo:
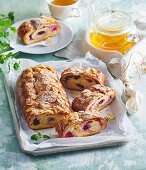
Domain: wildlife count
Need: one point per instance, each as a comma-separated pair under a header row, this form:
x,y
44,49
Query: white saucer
x,y
60,41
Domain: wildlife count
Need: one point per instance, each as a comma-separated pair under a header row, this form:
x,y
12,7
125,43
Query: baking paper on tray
x,y
120,130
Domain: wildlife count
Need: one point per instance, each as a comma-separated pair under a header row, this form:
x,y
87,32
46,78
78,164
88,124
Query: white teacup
x,y
64,12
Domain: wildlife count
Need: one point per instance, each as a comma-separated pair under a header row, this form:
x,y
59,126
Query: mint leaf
x,y
0,21
1,71
13,29
46,136
3,40
36,143
11,15
1,60
6,46
6,34
34,137
16,65
14,55
1,50
106,119
39,136
9,67
8,55
41,14
2,15
7,23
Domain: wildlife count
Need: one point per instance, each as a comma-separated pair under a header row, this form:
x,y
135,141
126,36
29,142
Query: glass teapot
x,y
111,30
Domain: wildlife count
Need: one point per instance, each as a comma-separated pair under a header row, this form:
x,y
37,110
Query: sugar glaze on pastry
x,y
79,124
95,98
42,97
78,78
38,29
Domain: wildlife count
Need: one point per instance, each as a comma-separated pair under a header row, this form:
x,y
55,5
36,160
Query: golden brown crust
x,y
89,98
79,119
78,78
41,93
30,28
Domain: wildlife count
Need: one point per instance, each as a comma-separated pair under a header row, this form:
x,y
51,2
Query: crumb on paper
x,y
48,40
39,131
74,93
54,136
107,110
110,116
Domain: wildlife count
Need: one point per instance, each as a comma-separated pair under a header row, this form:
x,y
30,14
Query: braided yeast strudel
x,y
42,97
79,124
38,29
95,98
78,78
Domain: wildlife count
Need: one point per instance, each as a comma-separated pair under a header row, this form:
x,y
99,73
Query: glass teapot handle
x,y
91,13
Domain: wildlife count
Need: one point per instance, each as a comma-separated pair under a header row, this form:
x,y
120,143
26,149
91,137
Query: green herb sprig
x,y
106,119
38,136
5,23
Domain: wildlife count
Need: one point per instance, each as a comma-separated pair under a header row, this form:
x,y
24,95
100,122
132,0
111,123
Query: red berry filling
x,y
89,80
41,32
30,37
36,121
101,101
54,28
76,77
100,91
69,134
51,119
80,85
68,77
86,126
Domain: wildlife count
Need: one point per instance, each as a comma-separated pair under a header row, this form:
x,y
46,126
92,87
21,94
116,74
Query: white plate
x,y
60,41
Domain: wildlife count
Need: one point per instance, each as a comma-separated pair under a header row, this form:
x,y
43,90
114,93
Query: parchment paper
x,y
121,130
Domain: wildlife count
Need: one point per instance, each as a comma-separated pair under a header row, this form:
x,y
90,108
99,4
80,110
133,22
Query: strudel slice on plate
x,y
95,98
42,97
38,29
79,124
78,78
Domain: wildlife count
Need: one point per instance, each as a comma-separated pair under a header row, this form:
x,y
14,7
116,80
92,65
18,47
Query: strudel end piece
x,y
38,29
78,78
79,124
95,98
42,97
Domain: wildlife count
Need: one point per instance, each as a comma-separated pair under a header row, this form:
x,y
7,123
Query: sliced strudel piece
x,y
95,98
79,124
38,29
78,78
42,97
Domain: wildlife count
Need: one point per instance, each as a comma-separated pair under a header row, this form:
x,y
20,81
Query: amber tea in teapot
x,y
113,31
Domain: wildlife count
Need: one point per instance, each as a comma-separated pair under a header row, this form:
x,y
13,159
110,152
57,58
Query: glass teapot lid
x,y
113,21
